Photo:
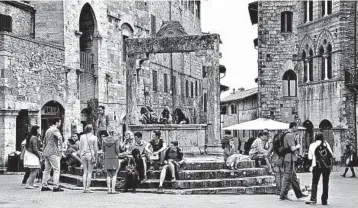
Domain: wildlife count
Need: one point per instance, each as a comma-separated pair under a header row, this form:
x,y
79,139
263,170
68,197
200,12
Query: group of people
x,y
148,116
280,155
133,153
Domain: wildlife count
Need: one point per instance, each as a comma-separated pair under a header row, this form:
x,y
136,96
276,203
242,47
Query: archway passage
x,y
309,136
84,118
51,110
325,125
22,127
326,129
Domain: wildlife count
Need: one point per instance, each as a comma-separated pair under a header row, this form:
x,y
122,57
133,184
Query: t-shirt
x,y
288,142
157,146
140,147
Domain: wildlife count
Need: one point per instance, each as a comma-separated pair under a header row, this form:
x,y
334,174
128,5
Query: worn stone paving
x,y
342,195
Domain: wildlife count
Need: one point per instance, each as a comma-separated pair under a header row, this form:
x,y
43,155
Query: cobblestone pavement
x,y
343,192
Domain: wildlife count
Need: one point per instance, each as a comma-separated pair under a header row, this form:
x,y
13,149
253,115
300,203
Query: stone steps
x,y
182,184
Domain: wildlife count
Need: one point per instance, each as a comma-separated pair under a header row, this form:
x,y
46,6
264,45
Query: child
x,y
111,163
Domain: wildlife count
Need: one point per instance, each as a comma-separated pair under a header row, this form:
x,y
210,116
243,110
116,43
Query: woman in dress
x,y
111,163
89,155
32,156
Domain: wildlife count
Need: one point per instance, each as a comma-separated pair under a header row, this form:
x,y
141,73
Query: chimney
x,y
241,89
233,90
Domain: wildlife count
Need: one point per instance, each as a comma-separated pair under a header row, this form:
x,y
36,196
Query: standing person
x,y
290,176
156,148
101,124
277,164
111,163
32,156
322,159
89,155
349,155
52,155
27,170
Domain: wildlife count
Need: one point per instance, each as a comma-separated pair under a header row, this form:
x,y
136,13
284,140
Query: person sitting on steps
x,y
155,149
172,162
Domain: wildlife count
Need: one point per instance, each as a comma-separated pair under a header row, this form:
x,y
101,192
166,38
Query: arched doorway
x,y
309,135
22,127
51,110
326,129
88,53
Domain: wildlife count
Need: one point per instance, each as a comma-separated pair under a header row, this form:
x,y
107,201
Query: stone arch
x,y
306,41
308,135
51,109
87,25
325,124
324,35
127,30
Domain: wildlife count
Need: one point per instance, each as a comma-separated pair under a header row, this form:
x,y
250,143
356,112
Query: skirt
x,y
111,163
31,160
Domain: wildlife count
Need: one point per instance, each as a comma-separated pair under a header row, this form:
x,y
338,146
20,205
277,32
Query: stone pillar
x,y
211,63
326,8
308,11
131,90
7,135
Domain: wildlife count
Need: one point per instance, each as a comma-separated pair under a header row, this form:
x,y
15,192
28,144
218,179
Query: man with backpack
x,y
288,151
322,160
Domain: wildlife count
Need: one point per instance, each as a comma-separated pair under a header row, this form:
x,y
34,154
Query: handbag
x,y
93,159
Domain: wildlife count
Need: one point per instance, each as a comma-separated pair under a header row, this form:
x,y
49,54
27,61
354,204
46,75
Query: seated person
x,y
124,148
230,158
179,117
139,163
153,115
173,160
155,148
165,117
258,151
145,116
140,145
247,145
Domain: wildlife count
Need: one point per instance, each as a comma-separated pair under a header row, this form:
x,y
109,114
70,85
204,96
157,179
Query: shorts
x,y
111,173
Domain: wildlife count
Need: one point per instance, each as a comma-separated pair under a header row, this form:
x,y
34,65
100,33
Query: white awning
x,y
260,124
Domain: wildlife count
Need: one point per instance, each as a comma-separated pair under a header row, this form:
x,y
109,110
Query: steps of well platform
x,y
266,189
182,184
197,174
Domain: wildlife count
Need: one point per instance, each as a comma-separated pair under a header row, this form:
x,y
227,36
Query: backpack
x,y
324,158
278,145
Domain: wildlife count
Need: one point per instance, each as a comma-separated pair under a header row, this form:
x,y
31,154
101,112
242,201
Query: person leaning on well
x,y
89,156
52,155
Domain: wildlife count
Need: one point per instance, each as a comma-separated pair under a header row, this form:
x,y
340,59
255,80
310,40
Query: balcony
x,y
86,61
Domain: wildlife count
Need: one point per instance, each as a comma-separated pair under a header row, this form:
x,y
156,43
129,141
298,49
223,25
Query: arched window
x,y
286,21
289,81
310,68
127,32
305,75
323,63
329,61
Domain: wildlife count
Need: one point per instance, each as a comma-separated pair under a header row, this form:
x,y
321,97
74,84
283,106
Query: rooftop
x,y
240,94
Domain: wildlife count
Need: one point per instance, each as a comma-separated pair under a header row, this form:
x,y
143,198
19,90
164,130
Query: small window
x,y
153,25
289,80
329,61
305,73
308,8
329,7
165,83
5,23
187,88
204,71
192,89
196,88
310,64
233,109
223,110
174,85
124,38
205,103
155,81
198,9
286,21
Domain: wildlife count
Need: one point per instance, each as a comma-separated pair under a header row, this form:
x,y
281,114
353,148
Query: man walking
x,y
289,175
52,154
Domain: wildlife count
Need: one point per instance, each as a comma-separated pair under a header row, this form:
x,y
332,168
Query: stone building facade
x,y
59,55
307,65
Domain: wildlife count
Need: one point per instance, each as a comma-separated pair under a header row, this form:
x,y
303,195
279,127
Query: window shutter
x,y
292,88
311,10
289,21
305,9
283,22
285,88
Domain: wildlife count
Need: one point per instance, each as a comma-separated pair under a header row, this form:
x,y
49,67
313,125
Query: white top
x,y
312,149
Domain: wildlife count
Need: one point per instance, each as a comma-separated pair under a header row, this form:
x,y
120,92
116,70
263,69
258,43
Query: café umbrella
x,y
260,124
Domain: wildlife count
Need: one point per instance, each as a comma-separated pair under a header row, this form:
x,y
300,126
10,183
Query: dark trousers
x,y
27,175
290,178
316,174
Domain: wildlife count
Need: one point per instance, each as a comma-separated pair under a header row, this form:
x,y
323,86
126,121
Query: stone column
x,y
326,8
131,90
308,11
7,135
325,67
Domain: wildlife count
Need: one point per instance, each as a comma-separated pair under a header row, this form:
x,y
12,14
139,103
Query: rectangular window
x,y
223,110
165,83
235,133
204,71
286,21
233,109
293,88
329,7
192,89
323,8
187,88
205,103
196,88
155,81
174,85
153,24
5,23
198,9
124,49
311,10
305,4
285,88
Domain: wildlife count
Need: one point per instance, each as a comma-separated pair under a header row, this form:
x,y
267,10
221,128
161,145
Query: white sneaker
x,y
29,187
